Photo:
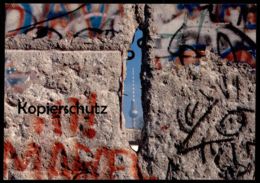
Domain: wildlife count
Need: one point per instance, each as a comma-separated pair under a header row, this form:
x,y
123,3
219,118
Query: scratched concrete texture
x,y
199,118
124,26
200,123
199,109
189,29
66,77
64,71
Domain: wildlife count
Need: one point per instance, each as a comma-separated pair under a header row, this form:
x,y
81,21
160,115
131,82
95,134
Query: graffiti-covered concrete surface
x,y
200,122
185,30
69,26
200,111
63,20
63,78
198,91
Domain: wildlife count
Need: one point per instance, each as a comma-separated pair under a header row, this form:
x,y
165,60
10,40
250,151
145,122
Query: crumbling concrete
x,y
63,78
199,112
199,119
54,71
201,122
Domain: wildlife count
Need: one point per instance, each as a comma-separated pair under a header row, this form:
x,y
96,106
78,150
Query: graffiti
x,y
182,148
73,166
77,170
90,132
243,50
136,44
62,20
32,153
56,119
229,126
38,124
102,162
171,170
222,13
15,80
224,89
74,119
233,168
233,118
229,29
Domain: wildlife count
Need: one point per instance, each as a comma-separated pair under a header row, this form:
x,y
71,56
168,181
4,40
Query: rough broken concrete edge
x,y
23,42
142,20
147,73
117,59
139,19
146,67
109,146
118,42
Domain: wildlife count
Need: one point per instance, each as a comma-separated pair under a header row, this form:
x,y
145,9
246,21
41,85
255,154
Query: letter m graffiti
x,y
20,162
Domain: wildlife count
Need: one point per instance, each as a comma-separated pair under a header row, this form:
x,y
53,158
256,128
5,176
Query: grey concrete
x,y
56,76
199,121
211,104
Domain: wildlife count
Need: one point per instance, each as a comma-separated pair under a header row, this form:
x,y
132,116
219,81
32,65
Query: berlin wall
x,y
198,91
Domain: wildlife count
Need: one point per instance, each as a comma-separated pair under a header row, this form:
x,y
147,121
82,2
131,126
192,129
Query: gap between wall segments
x,y
121,89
